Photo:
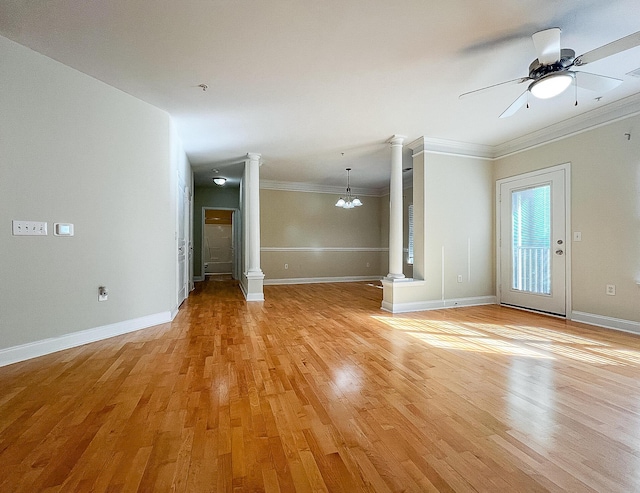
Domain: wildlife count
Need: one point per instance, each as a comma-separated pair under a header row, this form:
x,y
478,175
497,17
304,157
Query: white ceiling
x,y
303,81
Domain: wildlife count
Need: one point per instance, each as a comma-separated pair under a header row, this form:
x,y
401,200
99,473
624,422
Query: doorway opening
x,y
219,241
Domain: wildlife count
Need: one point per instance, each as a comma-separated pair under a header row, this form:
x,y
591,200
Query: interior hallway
x,y
317,389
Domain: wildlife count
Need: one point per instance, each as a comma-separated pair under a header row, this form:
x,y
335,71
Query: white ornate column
x,y
395,209
253,289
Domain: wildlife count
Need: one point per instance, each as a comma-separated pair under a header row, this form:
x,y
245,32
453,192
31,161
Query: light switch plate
x,y
29,228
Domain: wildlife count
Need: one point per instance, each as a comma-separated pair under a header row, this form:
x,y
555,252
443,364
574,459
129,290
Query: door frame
x,y
235,235
566,167
183,223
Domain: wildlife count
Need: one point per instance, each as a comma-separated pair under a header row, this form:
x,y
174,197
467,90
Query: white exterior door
x,y
533,241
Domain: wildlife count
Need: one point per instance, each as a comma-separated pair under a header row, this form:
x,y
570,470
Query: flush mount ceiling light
x,y
219,181
551,85
348,202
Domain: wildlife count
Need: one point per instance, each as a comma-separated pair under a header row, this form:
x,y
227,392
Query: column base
x,y
395,277
397,293
252,285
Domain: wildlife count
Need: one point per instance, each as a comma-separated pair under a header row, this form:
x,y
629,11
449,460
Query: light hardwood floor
x,y
317,389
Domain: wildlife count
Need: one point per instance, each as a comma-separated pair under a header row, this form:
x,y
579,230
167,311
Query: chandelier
x,y
348,202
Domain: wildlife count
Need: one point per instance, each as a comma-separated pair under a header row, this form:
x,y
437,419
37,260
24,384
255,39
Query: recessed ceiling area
x,y
303,82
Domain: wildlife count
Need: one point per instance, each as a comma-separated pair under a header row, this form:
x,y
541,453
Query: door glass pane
x,y
531,220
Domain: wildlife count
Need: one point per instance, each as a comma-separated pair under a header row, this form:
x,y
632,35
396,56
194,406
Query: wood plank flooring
x,y
317,389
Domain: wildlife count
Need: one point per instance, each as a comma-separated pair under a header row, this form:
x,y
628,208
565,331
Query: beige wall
x,y
76,150
605,208
459,219
316,239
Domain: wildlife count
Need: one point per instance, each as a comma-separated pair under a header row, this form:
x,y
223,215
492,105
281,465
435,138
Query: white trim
x,y
291,186
317,280
420,306
174,312
323,249
35,349
606,322
457,154
454,148
433,145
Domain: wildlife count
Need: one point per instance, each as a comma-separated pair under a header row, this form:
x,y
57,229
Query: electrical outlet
x,y
459,277
611,289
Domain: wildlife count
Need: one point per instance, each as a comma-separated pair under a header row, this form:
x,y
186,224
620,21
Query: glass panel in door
x,y
531,239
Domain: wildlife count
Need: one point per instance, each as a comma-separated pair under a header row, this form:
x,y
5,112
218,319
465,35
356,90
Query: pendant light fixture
x,y
348,202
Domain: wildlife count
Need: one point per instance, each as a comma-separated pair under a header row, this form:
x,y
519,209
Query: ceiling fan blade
x,y
516,105
480,91
547,45
609,49
594,82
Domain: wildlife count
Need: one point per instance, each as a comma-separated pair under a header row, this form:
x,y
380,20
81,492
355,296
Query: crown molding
x,y
450,147
603,115
290,186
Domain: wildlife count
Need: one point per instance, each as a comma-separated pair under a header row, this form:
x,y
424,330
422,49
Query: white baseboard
x,y
30,350
198,278
420,306
314,280
173,313
606,322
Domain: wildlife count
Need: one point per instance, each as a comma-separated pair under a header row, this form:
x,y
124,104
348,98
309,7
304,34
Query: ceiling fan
x,y
550,74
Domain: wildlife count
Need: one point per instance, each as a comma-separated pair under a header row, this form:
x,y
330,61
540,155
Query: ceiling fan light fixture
x,y
551,85
219,181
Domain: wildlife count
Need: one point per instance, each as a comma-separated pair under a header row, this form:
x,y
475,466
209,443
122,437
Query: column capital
x,y
254,156
396,140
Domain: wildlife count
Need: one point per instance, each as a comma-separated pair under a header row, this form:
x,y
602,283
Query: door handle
x,y
559,252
